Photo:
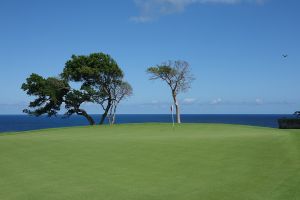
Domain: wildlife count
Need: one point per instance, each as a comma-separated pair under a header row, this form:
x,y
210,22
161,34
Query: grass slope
x,y
150,161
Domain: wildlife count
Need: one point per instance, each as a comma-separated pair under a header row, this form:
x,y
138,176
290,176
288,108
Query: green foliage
x,y
50,94
161,71
101,82
98,74
289,123
95,69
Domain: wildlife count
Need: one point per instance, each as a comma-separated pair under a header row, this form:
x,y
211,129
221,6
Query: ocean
x,y
12,123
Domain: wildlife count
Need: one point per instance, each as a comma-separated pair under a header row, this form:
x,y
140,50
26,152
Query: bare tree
x,y
119,92
177,75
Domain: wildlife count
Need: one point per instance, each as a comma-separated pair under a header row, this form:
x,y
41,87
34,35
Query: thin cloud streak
x,y
153,9
214,102
189,101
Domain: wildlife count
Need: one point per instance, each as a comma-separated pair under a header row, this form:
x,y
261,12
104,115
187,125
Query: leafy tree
x,y
50,94
178,77
100,79
73,101
96,73
119,92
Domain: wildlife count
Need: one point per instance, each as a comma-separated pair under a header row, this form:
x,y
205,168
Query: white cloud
x,y
258,101
155,103
189,100
216,101
153,9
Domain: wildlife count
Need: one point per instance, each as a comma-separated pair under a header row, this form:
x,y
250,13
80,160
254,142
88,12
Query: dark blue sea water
x,y
9,123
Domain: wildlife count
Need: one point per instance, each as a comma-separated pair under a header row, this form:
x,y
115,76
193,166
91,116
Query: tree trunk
x,y
87,116
114,114
110,115
176,107
177,113
105,112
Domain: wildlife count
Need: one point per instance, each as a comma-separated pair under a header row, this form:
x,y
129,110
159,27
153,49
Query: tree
x,y
97,73
178,77
119,92
100,79
51,93
73,101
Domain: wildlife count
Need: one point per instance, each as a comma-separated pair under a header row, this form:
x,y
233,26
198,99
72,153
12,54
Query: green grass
x,y
150,161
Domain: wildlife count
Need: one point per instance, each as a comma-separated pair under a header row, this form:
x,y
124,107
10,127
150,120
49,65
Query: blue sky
x,y
234,48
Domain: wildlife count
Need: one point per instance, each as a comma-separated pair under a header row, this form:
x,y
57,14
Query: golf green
x,y
151,162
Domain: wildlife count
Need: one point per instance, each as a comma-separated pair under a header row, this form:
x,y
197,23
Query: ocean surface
x,y
11,123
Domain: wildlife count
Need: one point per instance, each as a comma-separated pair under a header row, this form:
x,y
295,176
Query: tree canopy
x,y
100,79
50,94
97,73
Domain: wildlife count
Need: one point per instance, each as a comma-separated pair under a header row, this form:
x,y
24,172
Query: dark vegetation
x,y
101,82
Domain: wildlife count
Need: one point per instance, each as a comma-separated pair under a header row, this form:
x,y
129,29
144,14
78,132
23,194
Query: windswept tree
x,y
73,104
178,77
51,93
119,92
97,72
99,78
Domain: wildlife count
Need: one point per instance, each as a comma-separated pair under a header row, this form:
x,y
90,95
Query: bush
x,y
289,123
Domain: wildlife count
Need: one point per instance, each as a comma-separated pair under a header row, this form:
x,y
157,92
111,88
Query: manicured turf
x,y
151,162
